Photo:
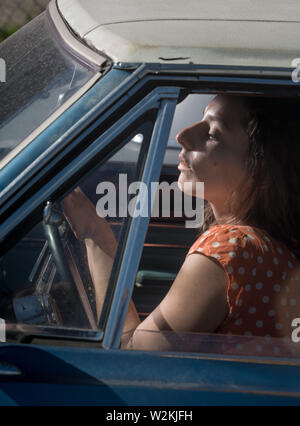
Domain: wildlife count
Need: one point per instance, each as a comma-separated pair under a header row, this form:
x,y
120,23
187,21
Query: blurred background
x,y
16,13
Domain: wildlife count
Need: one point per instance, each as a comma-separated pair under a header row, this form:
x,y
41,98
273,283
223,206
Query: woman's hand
x,y
81,215
86,224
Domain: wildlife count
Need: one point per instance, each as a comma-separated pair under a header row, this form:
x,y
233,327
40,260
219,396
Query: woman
x,y
240,276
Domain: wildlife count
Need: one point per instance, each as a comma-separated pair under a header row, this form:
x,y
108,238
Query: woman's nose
x,y
193,135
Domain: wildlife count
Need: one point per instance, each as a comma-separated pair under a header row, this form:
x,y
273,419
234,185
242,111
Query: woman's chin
x,y
180,182
185,185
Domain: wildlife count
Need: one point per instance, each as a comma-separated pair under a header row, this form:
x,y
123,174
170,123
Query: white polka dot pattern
x,y
261,293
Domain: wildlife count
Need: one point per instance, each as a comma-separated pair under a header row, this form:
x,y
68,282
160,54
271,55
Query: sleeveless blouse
x,y
263,279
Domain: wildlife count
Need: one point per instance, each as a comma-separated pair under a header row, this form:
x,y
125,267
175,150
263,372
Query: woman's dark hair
x,y
272,200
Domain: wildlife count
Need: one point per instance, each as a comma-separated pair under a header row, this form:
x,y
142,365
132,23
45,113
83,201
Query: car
x,y
95,92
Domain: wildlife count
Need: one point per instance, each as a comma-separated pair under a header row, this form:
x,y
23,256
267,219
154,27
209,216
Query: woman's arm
x,y
100,265
196,301
101,246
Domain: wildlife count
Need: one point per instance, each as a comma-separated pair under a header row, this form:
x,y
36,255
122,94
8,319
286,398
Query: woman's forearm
x,y
100,264
101,246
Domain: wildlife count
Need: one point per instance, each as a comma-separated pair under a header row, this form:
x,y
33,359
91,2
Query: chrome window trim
x,y
29,330
138,226
255,72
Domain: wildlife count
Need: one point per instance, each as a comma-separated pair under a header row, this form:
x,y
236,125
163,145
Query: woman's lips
x,y
182,164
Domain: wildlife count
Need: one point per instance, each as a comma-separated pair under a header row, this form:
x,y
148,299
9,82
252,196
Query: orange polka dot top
x,y
263,279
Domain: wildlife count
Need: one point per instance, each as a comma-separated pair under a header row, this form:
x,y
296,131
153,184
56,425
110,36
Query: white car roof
x,y
216,32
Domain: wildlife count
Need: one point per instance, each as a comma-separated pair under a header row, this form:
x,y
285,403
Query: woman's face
x,y
215,150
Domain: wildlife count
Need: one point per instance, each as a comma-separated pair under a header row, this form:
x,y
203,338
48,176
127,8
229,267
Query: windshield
x,y
40,77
